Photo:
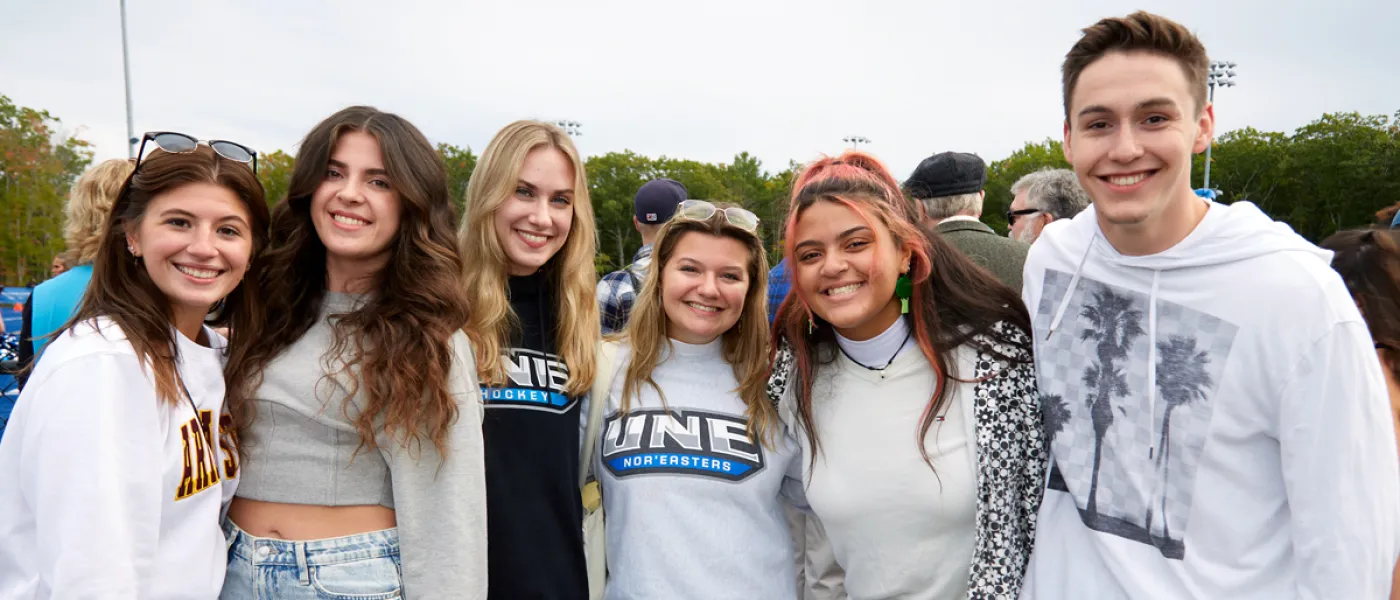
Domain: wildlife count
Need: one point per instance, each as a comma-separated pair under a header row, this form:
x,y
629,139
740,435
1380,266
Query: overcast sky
x,y
698,80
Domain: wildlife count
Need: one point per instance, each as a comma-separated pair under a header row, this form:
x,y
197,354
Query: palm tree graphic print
x,y
1128,457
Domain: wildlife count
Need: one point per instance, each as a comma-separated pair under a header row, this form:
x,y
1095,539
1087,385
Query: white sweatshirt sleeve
x,y
1340,468
440,505
92,467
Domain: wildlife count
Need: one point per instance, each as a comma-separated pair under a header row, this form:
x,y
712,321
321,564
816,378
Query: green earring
x,y
904,290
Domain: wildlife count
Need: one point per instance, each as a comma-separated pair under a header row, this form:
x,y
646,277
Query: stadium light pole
x,y
570,127
1221,74
126,75
856,140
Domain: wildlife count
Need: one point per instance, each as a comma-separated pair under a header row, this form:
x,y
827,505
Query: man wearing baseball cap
x,y
653,205
946,189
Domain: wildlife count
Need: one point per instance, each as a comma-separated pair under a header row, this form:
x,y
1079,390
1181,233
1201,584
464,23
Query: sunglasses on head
x,y
179,143
700,210
1011,215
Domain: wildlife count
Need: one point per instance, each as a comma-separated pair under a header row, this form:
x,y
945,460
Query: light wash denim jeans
x,y
355,567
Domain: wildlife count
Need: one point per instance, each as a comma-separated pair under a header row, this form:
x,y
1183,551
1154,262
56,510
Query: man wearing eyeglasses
x,y
1043,197
946,189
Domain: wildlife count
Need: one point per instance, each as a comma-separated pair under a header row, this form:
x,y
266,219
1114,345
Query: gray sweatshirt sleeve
x,y
440,504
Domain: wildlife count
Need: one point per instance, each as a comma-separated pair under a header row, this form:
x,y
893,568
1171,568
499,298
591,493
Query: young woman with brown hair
x,y
120,457
908,382
359,404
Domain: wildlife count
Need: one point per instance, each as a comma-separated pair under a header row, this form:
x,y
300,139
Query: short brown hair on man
x,y
1139,32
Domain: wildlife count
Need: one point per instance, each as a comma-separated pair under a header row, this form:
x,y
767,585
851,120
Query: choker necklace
x,y
880,370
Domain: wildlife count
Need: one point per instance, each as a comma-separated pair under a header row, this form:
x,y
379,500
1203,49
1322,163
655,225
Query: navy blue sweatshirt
x,y
534,514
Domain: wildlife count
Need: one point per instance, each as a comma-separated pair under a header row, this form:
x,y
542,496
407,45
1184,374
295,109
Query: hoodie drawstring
x,y
1073,283
1152,362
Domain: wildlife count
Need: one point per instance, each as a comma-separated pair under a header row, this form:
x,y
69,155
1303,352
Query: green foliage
x,y
460,163
37,168
275,174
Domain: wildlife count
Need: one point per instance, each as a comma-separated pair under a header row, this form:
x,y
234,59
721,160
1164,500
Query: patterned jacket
x,y
1011,459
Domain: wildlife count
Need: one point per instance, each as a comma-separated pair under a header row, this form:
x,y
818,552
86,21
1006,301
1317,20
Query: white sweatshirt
x,y
107,491
693,507
1243,447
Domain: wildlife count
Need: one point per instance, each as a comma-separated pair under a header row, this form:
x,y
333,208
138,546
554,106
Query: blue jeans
x,y
364,566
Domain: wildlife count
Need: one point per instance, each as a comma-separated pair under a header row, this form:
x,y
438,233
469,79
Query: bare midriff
x,y
303,522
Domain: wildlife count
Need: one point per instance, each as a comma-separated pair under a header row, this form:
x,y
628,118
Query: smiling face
x,y
356,211
1133,126
846,267
534,222
195,242
703,287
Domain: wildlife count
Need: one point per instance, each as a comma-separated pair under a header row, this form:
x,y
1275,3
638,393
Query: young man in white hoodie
x,y
1217,416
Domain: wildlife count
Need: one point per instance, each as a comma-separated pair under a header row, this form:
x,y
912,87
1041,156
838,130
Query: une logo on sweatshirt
x,y
202,469
688,442
536,382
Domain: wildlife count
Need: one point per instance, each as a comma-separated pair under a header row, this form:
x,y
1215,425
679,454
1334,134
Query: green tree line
x,y
1331,174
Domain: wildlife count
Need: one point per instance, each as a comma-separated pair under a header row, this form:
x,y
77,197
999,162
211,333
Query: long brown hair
x,y
397,344
1369,262
122,291
954,301
745,344
570,271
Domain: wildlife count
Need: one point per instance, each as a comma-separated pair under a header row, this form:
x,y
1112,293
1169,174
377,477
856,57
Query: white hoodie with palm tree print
x,y
1218,419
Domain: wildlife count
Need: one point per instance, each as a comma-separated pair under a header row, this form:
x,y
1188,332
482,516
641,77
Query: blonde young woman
x,y
527,247
691,458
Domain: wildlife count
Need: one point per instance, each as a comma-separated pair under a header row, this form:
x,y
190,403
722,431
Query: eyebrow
x,y
687,259
533,187
1151,103
844,234
179,212
336,163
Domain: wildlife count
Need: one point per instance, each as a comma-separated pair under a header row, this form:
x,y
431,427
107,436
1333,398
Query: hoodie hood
x,y
1227,234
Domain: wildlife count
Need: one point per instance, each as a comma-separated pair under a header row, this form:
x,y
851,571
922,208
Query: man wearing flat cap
x,y
946,189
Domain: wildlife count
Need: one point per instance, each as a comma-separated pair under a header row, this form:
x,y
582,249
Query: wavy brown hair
x,y
745,344
955,302
570,271
396,346
1139,32
1369,262
122,290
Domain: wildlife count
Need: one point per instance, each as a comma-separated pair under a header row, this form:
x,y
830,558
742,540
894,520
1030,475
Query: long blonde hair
x,y
484,262
745,344
88,204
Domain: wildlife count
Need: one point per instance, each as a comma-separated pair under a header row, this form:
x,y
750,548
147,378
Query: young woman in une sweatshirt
x,y
363,458
908,381
691,456
120,457
527,244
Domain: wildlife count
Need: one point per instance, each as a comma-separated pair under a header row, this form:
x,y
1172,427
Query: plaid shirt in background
x,y
616,292
778,285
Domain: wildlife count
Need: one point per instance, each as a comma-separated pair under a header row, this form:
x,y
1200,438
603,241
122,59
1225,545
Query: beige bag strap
x,y
597,398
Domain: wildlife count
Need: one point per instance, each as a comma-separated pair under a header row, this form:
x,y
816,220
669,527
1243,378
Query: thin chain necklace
x,y
880,370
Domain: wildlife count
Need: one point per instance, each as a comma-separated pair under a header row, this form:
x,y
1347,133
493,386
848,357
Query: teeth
x,y
348,220
530,237
1129,180
845,289
702,307
200,273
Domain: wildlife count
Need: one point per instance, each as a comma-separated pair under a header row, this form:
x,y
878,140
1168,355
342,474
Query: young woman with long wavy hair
x,y
692,459
359,405
907,379
527,248
120,457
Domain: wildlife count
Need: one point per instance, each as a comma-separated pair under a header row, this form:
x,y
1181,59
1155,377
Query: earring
x,y
904,290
